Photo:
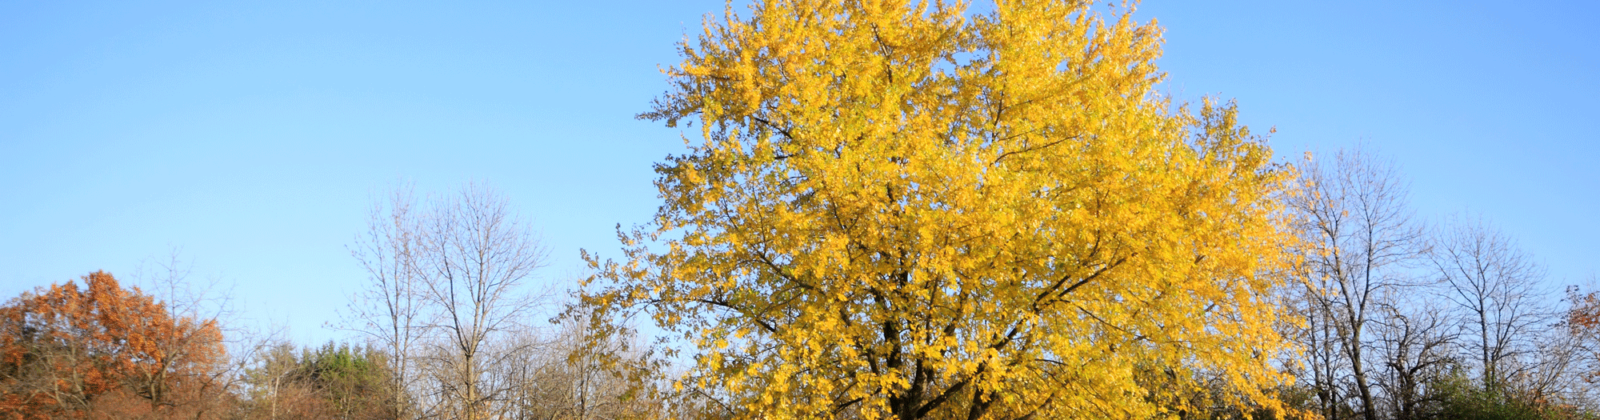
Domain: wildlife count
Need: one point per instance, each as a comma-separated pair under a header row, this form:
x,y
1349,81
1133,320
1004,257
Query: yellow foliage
x,y
905,210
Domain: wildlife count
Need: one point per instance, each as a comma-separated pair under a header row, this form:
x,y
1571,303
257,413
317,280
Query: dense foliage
x,y
332,381
906,209
98,350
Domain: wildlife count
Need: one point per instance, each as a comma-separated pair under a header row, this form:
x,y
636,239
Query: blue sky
x,y
252,136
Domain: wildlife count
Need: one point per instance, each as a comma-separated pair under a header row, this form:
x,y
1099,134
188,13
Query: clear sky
x,y
252,136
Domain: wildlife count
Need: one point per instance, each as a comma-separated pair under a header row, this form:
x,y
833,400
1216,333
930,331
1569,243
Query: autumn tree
x,y
912,210
171,282
1580,321
102,351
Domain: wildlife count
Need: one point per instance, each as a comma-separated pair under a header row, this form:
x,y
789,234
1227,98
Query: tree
x,y
570,377
477,257
1582,352
274,390
103,351
1416,343
1357,232
1496,287
336,382
168,280
389,309
448,294
904,210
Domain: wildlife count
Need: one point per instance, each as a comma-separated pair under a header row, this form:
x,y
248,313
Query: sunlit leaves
x,y
99,348
905,209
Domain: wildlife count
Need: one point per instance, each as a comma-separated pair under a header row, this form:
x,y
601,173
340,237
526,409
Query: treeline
x,y
452,329
1406,318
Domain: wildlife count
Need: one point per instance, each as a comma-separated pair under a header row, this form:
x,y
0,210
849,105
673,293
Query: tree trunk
x,y
1369,410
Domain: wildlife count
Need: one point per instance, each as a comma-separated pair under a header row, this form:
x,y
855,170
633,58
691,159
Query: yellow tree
x,y
905,210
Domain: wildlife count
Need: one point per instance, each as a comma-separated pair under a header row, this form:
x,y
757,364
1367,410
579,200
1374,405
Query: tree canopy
x,y
913,210
101,350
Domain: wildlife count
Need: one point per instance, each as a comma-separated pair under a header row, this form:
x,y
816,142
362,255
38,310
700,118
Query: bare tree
x,y
476,258
1325,364
1358,233
209,301
1416,341
389,309
1496,287
578,374
446,297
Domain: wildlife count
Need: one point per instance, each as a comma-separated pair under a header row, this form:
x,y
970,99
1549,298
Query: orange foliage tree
x,y
1583,322
102,351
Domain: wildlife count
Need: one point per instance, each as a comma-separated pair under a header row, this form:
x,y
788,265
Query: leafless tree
x,y
389,308
475,261
1496,287
208,301
1358,234
447,296
1324,363
1416,340
578,375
